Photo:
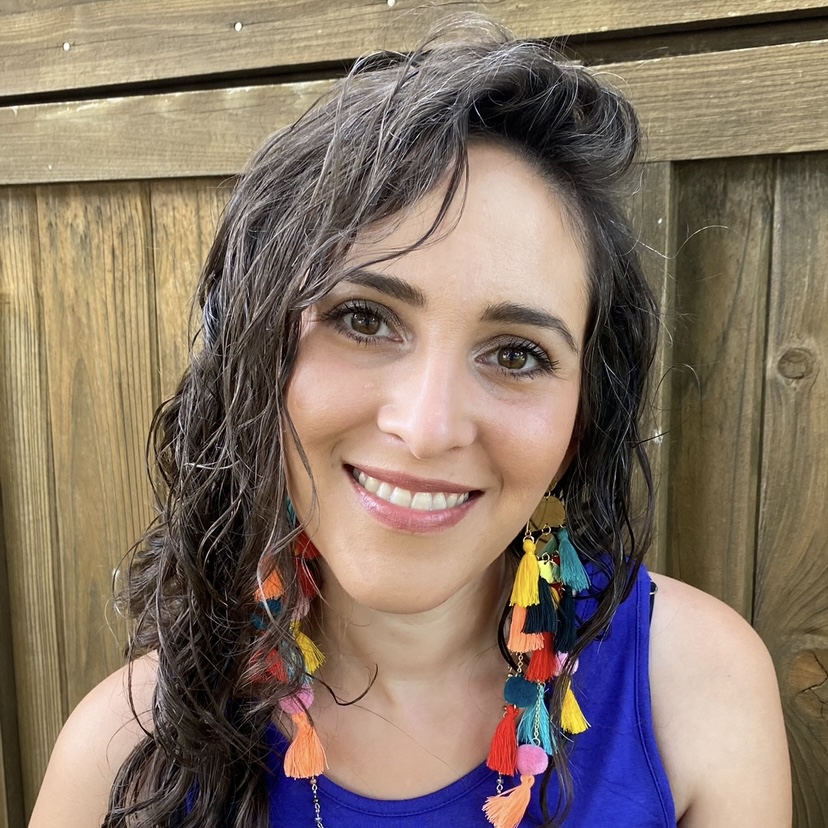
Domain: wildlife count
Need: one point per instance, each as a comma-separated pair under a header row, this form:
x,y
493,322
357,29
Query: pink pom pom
x,y
298,702
302,608
562,659
531,760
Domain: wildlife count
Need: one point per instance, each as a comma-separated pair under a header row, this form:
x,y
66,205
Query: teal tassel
x,y
291,512
567,623
573,573
551,547
538,715
542,617
260,618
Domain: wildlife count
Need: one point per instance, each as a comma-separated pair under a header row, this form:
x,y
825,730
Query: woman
x,y
396,579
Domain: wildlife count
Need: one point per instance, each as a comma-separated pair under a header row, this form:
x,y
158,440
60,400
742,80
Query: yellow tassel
x,y
525,591
572,719
305,756
312,654
506,810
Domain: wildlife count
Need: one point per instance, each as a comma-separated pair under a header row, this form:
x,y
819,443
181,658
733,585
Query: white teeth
x,y
371,483
401,497
422,501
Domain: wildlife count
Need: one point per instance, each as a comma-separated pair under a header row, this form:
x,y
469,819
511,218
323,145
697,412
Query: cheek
x,y
534,445
325,395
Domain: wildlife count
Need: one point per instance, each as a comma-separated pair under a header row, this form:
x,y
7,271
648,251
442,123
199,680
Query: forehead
x,y
507,236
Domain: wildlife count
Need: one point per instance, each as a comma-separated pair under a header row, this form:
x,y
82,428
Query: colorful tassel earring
x,y
305,756
549,575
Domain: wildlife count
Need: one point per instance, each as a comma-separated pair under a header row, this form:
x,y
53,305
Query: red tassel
x,y
503,750
303,547
267,666
306,582
305,756
543,664
506,810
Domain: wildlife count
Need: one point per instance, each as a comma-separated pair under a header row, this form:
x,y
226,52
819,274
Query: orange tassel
x,y
271,587
503,751
305,756
519,641
543,664
506,810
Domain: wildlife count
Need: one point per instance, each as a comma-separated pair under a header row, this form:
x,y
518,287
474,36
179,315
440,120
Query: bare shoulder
x,y
717,713
94,742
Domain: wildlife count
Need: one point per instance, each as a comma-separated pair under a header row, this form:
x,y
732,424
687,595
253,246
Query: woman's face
x,y
435,394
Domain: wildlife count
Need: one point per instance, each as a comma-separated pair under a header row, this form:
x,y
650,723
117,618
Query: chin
x,y
395,599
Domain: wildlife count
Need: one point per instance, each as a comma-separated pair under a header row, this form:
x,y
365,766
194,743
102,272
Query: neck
x,y
427,687
414,651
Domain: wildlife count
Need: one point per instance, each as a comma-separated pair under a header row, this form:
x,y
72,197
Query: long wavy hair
x,y
397,127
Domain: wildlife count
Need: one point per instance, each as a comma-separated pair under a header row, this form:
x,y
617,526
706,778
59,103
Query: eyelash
x,y
336,316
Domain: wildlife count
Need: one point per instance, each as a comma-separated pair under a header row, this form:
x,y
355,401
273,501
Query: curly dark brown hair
x,y
397,127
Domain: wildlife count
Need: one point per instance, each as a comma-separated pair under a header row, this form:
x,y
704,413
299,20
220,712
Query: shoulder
x,y
94,743
717,713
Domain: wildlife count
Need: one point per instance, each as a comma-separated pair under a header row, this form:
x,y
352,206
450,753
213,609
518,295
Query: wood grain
x,y
26,480
724,221
100,343
652,212
746,102
9,740
791,604
185,134
184,218
11,786
119,41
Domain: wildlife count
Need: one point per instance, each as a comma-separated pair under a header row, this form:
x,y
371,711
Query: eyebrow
x,y
389,285
504,312
515,314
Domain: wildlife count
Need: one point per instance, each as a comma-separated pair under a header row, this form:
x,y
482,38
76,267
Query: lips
x,y
424,507
408,499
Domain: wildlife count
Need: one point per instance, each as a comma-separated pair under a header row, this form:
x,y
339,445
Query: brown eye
x,y
512,358
365,323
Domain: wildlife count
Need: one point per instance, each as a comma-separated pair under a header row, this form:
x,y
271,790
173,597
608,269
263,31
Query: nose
x,y
428,404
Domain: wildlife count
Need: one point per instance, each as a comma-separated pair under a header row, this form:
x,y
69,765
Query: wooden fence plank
x,y
725,208
118,41
653,217
26,479
746,102
791,608
184,218
11,786
98,303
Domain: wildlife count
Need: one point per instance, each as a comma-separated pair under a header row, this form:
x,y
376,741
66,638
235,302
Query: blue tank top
x,y
618,777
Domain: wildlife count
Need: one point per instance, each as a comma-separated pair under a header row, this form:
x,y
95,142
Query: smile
x,y
420,501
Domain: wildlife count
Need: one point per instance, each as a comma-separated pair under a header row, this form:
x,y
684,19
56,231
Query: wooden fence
x,y
121,124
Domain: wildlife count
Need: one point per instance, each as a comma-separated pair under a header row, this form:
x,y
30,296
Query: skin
x,y
436,393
